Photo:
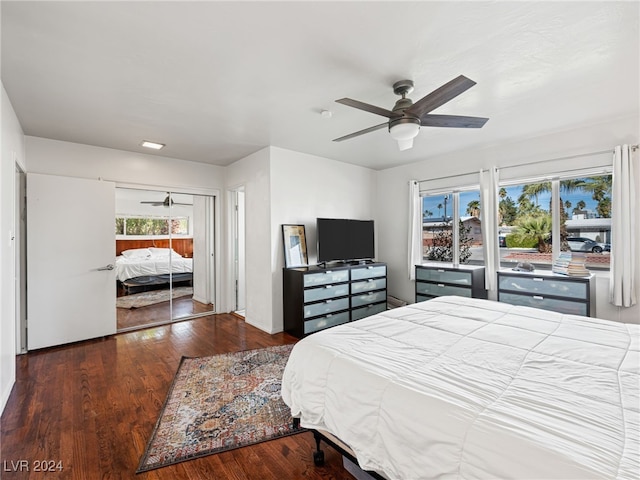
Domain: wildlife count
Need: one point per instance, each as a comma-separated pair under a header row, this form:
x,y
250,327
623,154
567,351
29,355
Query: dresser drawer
x,y
440,275
328,291
372,271
374,297
538,301
573,290
423,298
440,289
325,277
327,306
327,321
367,311
368,285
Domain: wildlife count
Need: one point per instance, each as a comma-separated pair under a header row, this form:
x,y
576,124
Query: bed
x,y
468,388
142,268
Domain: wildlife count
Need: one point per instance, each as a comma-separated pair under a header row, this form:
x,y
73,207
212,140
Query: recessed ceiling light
x,y
154,145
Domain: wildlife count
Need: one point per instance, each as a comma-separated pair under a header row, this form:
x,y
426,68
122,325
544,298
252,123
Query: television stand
x,y
362,262
318,297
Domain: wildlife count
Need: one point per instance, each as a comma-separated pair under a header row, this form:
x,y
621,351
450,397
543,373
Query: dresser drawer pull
x,y
328,286
370,280
441,284
329,315
328,301
538,297
440,271
369,267
538,279
328,272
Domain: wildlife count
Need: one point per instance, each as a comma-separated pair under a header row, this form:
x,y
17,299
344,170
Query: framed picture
x,y
295,246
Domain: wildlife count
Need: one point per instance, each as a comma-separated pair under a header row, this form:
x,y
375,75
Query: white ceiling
x,y
217,81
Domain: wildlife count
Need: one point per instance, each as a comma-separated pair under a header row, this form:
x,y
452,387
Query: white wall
x,y
12,152
252,172
305,187
75,160
392,201
282,186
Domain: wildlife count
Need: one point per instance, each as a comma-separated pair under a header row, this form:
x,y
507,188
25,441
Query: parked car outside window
x,y
582,244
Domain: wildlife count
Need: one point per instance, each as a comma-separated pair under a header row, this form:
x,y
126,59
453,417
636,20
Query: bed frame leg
x,y
318,455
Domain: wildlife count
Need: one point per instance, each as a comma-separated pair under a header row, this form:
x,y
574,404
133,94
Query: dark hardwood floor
x,y
89,409
159,313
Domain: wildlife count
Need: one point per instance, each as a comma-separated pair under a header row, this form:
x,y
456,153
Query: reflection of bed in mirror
x,y
152,267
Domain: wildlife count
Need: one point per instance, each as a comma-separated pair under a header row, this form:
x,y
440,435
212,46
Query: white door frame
x,y
239,278
20,256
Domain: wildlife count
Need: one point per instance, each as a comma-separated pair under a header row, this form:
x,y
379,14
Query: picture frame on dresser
x,y
295,245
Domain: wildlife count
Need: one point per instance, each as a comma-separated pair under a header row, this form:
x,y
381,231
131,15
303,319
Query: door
x,y
70,252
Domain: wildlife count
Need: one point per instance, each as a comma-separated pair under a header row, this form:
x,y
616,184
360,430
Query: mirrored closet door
x,y
164,257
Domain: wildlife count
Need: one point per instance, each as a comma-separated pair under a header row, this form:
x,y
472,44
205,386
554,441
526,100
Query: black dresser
x,y
315,298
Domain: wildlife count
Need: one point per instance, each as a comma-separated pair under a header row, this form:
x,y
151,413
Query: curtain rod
x,y
579,155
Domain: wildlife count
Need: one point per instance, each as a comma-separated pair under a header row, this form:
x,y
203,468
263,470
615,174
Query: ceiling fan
x,y
168,201
407,117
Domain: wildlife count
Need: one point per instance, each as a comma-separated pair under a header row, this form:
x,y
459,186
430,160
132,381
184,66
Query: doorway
x,y
20,238
165,260
239,250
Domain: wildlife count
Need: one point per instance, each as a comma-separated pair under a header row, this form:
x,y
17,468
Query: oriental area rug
x,y
219,403
144,299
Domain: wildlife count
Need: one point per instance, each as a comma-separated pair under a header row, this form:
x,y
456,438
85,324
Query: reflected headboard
x,y
184,246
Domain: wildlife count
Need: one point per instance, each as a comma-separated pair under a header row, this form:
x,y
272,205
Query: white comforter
x,y
467,388
138,267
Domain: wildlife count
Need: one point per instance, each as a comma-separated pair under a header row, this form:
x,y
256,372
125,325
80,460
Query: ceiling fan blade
x,y
440,96
455,121
153,203
187,204
361,132
368,108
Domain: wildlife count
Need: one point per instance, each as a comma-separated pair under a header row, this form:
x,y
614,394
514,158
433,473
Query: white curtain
x,y
489,219
622,292
415,228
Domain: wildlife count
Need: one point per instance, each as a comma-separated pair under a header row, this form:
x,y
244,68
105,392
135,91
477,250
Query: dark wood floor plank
x,y
93,405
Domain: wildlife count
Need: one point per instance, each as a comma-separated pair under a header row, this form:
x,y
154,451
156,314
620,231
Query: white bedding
x,y
467,388
127,268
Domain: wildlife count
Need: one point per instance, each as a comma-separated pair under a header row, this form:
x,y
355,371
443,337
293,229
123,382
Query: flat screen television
x,y
344,239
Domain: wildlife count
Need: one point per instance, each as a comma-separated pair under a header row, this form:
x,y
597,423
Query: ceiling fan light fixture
x,y
404,131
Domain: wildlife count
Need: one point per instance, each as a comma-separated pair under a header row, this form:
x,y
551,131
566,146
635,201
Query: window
x,y
577,208
152,226
441,212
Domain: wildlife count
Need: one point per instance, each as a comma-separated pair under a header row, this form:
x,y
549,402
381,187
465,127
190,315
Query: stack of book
x,y
571,264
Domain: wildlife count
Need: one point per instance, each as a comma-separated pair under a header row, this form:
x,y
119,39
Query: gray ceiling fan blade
x,y
440,96
368,108
454,121
361,132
